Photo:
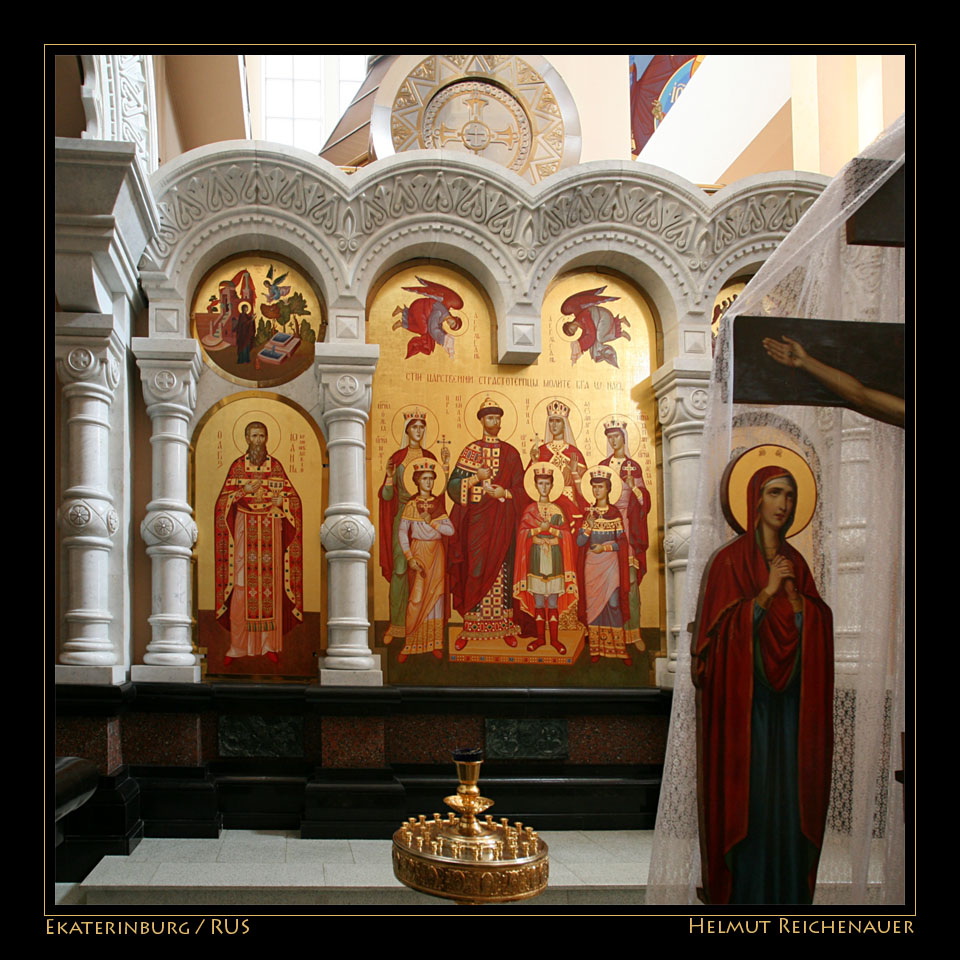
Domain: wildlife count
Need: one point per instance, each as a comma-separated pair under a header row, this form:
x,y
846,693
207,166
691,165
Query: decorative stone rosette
x,y
347,532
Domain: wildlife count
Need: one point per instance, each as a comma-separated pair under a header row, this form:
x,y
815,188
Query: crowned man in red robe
x,y
488,496
258,542
762,662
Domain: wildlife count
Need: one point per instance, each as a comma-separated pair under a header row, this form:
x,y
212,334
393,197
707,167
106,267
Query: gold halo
x,y
465,325
736,479
531,487
250,416
429,434
508,422
409,469
539,416
616,484
563,336
634,437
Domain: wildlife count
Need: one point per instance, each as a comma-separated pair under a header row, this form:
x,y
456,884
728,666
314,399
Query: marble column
x,y
169,371
681,391
345,375
88,364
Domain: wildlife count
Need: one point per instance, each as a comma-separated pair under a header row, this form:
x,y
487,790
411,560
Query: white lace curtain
x,y
854,547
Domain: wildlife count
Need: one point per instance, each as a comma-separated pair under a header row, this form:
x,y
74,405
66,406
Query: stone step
x,y
250,868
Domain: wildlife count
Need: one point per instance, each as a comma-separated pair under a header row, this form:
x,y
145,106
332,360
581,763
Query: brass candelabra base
x,y
468,860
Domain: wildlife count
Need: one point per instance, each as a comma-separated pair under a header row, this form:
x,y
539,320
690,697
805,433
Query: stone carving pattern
x,y
79,514
164,381
676,545
169,528
133,122
347,533
88,518
116,98
165,386
113,371
80,359
347,385
347,390
673,221
83,364
665,410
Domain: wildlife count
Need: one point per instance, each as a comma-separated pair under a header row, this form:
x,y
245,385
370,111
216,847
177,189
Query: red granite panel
x,y
352,742
172,739
617,739
431,739
96,739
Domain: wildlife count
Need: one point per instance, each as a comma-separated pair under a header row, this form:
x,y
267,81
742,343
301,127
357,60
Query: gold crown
x,y
615,423
600,473
410,415
557,408
489,405
539,472
423,465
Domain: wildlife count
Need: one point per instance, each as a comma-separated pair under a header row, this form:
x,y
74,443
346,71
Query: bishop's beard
x,y
257,455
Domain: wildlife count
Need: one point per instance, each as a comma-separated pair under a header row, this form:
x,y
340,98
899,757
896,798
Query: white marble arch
x,y
666,235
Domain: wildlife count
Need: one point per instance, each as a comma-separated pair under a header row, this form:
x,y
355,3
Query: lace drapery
x,y
854,548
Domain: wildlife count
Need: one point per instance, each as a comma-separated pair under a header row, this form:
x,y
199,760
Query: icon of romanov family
x,y
543,556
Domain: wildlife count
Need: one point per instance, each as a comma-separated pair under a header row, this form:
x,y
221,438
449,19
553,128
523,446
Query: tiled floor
x,y
246,867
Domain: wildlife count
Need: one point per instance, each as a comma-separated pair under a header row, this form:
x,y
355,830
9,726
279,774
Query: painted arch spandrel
x,y
435,388
258,483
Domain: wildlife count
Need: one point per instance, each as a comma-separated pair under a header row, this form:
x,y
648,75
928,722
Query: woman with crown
x,y
393,497
634,506
603,570
558,448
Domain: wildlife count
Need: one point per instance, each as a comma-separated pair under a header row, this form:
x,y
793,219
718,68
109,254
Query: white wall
x,y
729,100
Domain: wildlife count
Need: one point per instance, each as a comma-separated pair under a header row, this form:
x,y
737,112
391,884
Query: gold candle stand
x,y
465,859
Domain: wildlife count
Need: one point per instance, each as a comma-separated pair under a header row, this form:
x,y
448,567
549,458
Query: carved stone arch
x,y
636,260
233,234
748,221
468,249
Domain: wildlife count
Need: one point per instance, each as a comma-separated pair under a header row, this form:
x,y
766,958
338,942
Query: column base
x,y
664,675
368,677
157,673
105,675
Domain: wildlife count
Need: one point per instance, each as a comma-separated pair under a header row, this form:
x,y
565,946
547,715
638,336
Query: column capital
x,y
681,390
344,373
169,373
88,351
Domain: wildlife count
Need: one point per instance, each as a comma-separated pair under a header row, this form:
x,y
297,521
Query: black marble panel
x,y
252,735
532,739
